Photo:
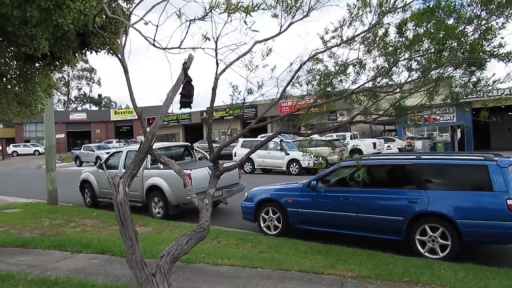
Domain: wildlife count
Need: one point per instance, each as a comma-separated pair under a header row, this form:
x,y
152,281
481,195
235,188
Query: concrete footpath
x,y
115,270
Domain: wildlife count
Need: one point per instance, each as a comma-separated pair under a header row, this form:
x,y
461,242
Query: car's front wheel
x,y
98,160
434,238
272,220
89,196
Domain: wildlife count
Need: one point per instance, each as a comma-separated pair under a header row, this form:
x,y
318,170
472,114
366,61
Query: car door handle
x,y
413,201
346,199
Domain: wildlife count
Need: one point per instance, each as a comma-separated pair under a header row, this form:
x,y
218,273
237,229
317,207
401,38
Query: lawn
x,y
78,229
16,280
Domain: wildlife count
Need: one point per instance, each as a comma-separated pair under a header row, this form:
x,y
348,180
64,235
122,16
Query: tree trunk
x,y
160,275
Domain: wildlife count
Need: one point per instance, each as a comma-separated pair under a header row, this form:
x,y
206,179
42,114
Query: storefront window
x,y
173,137
223,134
437,133
33,130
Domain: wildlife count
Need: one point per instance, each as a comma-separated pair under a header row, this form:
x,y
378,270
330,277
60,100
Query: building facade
x,y
76,128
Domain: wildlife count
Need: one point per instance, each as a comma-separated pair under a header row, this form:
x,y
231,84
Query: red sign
x,y
287,106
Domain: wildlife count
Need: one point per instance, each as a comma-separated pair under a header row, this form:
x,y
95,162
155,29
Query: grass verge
x,y
78,229
17,280
67,158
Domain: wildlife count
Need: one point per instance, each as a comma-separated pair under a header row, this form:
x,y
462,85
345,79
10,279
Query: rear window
x,y
175,153
455,177
249,144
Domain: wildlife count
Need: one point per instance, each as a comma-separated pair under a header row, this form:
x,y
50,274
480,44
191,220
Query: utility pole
x,y
52,197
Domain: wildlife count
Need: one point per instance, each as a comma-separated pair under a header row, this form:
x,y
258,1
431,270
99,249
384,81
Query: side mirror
x,y
99,165
313,185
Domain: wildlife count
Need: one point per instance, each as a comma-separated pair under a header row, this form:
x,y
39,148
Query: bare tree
x,y
378,57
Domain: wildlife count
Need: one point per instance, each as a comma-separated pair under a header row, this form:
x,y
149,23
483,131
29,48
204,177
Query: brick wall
x,y
111,132
99,132
61,144
137,129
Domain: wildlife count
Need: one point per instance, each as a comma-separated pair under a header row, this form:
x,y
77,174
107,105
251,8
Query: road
x,y
29,182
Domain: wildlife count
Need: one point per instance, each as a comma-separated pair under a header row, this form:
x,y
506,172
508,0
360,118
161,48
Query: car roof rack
x,y
491,156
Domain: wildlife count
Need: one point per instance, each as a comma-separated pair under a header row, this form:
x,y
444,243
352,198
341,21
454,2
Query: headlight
x,y
246,194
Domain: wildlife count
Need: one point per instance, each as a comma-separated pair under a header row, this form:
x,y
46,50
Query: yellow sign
x,y
123,114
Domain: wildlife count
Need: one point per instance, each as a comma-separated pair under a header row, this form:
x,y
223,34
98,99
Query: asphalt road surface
x,y
29,182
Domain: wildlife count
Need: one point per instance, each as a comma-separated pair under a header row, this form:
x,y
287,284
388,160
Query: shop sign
x,y
122,114
77,116
171,119
435,115
246,112
287,106
489,94
341,115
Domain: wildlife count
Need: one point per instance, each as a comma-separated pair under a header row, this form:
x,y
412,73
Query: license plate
x,y
217,193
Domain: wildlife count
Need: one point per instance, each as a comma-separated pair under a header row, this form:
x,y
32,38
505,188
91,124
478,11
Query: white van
x,y
276,155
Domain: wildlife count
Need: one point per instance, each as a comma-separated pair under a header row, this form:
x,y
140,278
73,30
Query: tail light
x,y
239,173
374,145
509,204
189,176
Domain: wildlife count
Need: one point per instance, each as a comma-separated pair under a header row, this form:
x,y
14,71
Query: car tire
x,y
216,204
266,171
439,235
294,168
158,206
89,196
355,153
97,160
37,153
311,172
248,167
14,154
272,220
78,162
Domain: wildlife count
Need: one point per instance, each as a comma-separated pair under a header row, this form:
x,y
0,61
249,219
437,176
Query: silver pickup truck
x,y
156,185
91,153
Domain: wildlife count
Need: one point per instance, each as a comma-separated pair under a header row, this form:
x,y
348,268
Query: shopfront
x,y
229,121
123,119
172,127
451,125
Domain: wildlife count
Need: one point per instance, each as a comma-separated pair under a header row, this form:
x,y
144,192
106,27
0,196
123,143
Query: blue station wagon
x,y
435,202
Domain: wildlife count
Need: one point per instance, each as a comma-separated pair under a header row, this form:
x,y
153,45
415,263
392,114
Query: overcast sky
x,y
154,71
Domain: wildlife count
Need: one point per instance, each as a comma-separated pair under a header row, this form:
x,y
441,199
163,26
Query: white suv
x,y
276,155
25,149
114,143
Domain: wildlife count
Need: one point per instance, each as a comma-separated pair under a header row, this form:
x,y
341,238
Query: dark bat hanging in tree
x,y
187,90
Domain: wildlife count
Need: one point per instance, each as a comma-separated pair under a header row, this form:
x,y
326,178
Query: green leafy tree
x,y
38,38
75,85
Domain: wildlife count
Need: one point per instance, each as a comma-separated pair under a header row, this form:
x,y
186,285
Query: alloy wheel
x,y
87,196
158,207
294,168
433,241
248,166
271,220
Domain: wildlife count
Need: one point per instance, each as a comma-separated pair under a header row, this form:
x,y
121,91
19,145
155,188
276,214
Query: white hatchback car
x,y
25,149
276,155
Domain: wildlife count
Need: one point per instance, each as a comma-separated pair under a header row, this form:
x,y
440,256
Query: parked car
x,y
357,146
433,201
402,144
329,151
203,145
24,149
275,155
91,153
158,186
115,143
390,148
278,137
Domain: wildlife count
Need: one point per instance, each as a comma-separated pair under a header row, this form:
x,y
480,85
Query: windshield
x,y
290,146
101,147
286,137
